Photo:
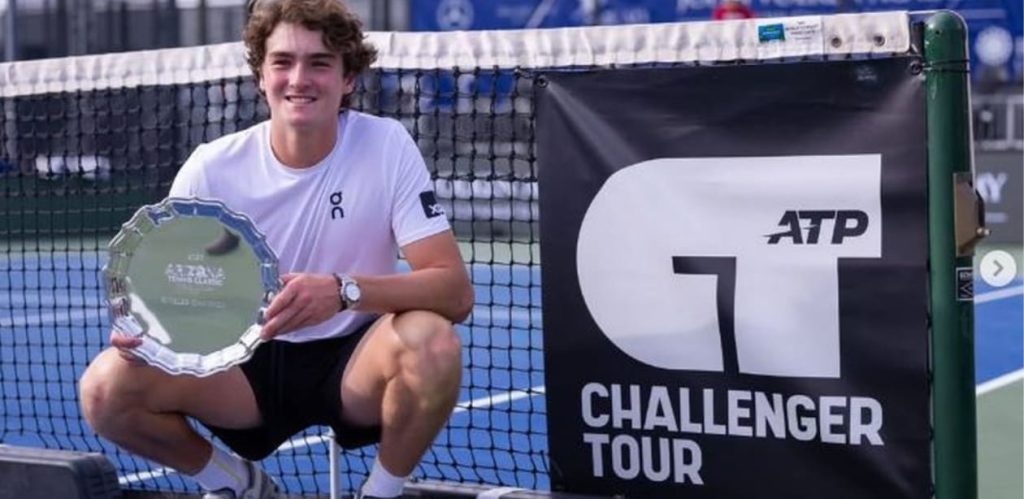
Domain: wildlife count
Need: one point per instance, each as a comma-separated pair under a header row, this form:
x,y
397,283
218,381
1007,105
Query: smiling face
x,y
303,80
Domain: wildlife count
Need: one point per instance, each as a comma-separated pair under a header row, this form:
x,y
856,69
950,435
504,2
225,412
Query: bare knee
x,y
104,393
430,347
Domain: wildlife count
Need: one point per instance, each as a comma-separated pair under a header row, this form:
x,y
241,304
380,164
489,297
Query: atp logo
x,y
679,272
842,228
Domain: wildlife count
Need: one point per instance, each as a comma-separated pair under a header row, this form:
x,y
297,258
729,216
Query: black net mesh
x,y
84,143
77,164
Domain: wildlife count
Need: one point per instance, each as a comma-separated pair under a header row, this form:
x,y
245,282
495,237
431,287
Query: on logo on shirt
x,y
336,210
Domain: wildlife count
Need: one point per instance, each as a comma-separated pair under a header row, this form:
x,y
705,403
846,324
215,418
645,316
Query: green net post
x,y
952,315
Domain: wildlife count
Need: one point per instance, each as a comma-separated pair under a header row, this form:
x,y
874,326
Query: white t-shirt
x,y
347,214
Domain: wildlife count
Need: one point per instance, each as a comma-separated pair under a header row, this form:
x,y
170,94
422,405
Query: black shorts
x,y
297,385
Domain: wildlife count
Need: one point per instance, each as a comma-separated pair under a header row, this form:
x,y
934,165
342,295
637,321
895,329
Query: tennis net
x,y
85,141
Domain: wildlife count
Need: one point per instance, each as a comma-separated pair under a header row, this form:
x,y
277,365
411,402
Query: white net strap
x,y
695,42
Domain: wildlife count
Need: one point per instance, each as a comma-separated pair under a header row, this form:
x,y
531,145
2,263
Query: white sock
x,y
383,484
223,471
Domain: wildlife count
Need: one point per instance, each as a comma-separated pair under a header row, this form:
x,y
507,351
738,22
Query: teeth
x,y
299,99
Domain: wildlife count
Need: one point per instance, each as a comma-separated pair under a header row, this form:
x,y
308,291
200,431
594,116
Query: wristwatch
x,y
348,290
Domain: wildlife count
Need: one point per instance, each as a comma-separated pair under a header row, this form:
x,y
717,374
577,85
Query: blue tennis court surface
x,y
999,320
53,322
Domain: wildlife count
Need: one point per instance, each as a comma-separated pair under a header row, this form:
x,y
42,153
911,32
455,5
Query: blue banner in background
x,y
996,33
449,15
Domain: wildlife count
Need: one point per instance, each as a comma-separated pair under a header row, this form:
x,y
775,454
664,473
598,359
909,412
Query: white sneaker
x,y
360,495
261,486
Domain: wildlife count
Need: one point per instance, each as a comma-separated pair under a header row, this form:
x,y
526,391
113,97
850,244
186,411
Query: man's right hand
x,y
124,345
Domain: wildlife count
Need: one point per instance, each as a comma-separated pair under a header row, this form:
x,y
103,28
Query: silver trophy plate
x,y
191,278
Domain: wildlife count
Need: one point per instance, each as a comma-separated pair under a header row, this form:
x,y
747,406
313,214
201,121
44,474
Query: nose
x,y
299,76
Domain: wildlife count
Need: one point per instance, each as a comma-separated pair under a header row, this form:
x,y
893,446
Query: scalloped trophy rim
x,y
120,250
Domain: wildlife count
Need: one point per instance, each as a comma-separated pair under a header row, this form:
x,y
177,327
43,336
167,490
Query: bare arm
x,y
438,282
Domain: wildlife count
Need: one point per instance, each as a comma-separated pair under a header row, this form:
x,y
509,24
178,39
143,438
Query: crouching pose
x,y
354,345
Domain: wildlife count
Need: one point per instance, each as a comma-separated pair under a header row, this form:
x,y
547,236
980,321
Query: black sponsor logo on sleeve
x,y
431,208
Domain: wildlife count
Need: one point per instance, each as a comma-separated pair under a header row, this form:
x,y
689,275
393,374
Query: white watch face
x,y
352,292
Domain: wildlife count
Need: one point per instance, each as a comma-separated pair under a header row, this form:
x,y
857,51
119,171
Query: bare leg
x,y
405,377
142,409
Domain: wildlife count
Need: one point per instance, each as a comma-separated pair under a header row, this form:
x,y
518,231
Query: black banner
x,y
735,284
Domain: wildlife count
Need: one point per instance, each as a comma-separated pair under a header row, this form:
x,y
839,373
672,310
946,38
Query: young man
x,y
354,345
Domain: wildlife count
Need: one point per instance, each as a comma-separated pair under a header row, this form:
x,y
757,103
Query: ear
x,y
261,83
349,85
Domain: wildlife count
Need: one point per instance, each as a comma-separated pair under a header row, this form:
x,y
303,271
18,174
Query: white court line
x,y
504,398
308,441
498,493
65,312
58,318
997,383
1011,377
999,294
27,301
489,314
144,475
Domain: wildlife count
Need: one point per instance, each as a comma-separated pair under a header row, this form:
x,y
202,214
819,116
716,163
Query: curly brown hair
x,y
342,32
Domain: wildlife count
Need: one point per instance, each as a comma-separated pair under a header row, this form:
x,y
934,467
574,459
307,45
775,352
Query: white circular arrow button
x,y
998,268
